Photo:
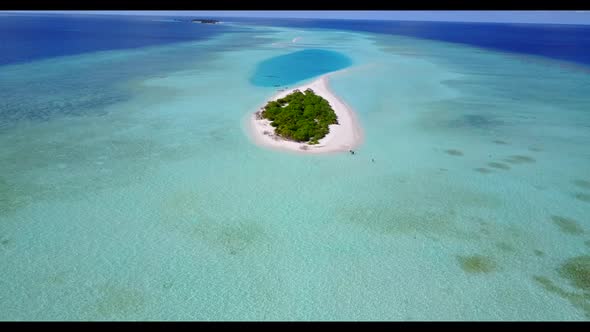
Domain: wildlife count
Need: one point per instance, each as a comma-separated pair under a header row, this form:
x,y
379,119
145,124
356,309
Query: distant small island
x,y
205,21
300,116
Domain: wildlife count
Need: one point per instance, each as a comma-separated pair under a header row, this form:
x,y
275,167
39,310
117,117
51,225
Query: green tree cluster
x,y
301,116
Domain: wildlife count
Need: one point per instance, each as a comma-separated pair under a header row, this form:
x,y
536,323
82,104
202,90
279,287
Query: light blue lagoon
x,y
129,189
297,66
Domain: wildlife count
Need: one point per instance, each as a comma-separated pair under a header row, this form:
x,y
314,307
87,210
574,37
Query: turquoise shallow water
x,y
298,66
156,205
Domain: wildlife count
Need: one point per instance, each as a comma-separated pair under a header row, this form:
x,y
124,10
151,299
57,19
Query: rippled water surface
x,y
129,189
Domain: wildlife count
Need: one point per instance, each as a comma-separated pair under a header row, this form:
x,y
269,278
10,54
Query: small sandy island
x,y
344,136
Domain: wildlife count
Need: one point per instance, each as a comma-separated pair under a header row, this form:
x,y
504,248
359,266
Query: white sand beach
x,y
344,136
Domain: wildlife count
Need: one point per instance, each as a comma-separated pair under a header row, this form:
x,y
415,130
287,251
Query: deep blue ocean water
x,y
34,37
31,37
562,42
297,66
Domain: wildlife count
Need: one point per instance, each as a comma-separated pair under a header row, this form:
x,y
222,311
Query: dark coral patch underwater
x,y
567,225
577,271
582,197
476,264
500,142
454,152
482,170
498,165
582,183
518,159
578,300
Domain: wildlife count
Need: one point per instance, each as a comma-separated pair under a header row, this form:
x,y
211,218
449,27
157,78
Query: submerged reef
x,y
577,271
498,165
476,264
454,152
582,183
567,225
518,159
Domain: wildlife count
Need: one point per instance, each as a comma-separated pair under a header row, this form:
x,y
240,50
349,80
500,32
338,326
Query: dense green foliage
x,y
300,116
